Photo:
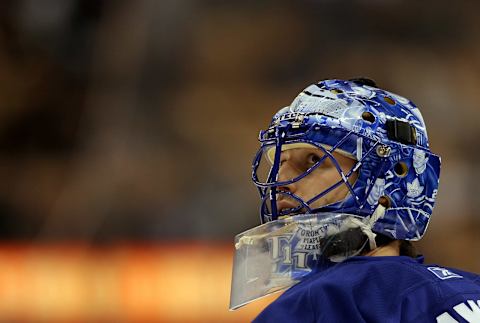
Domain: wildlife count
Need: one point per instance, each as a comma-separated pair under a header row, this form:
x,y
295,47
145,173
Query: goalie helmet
x,y
383,132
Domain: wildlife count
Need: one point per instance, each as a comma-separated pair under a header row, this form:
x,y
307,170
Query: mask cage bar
x,y
258,157
273,173
344,178
265,215
303,204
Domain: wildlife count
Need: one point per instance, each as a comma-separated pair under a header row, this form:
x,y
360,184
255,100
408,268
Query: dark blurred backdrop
x,y
137,120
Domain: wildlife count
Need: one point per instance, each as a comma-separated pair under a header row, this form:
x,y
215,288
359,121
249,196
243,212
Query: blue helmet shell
x,y
383,131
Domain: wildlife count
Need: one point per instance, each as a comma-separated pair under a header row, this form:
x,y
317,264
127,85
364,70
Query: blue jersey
x,y
380,289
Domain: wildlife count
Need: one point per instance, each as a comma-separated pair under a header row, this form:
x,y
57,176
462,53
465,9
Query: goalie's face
x,y
295,161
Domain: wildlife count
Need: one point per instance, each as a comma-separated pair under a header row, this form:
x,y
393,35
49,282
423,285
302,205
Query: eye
x,y
313,159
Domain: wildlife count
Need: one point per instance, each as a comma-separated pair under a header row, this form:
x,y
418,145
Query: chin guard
x,y
278,254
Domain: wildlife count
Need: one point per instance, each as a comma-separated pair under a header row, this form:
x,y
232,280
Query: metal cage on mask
x,y
328,140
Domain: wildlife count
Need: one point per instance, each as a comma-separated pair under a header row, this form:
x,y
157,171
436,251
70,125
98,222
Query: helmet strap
x,y
367,225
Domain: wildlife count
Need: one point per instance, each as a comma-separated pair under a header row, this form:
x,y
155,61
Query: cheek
x,y
317,182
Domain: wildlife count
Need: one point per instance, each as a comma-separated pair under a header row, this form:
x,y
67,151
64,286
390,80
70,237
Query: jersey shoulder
x,y
447,295
407,290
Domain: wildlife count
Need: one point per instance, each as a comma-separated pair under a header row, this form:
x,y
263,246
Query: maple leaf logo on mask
x,y
414,189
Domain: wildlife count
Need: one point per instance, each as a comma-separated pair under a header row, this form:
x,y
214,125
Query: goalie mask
x,y
390,188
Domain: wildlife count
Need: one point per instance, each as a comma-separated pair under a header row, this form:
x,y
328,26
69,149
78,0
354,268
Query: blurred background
x,y
127,130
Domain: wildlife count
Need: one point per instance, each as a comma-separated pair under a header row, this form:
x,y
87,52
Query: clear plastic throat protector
x,y
278,254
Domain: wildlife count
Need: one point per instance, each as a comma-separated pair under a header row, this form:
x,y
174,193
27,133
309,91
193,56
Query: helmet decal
x,y
377,191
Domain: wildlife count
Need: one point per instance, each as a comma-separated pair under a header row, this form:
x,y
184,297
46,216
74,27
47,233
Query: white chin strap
x,y
367,224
